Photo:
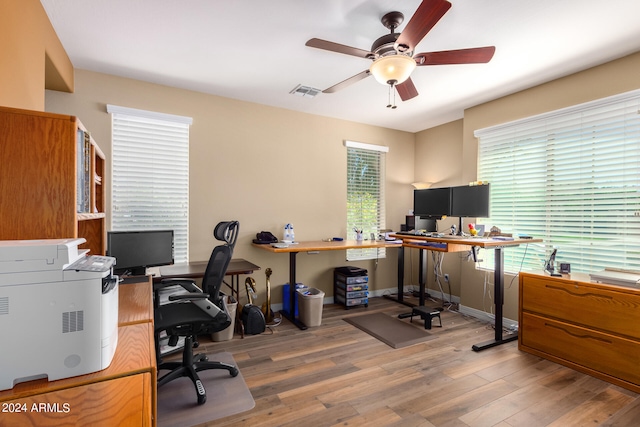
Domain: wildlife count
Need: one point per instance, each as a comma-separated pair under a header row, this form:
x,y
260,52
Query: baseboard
x,y
487,317
467,311
382,292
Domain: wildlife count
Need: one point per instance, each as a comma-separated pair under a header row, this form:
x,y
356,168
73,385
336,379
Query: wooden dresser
x,y
591,327
122,394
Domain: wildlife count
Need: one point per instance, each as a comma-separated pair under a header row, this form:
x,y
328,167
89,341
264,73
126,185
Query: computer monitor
x,y
134,251
470,201
432,203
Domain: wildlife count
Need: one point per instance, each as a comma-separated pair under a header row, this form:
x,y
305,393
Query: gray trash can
x,y
310,302
227,333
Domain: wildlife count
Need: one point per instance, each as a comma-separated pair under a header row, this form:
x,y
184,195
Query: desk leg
x,y
422,280
498,296
291,316
400,295
422,276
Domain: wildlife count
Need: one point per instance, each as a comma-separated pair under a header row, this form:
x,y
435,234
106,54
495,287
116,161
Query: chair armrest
x,y
186,284
191,296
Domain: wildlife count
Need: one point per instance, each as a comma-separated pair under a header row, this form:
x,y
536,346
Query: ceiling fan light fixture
x,y
392,69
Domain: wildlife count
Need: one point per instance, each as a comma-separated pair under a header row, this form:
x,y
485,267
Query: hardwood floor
x,y
337,375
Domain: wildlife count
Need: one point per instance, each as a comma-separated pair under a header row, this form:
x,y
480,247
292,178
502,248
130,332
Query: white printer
x,y
58,310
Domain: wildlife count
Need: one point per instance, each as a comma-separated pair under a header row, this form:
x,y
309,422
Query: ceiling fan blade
x,y
351,80
476,55
426,16
407,90
337,47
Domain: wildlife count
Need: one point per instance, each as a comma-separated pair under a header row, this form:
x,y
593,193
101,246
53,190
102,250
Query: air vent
x,y
305,91
72,321
4,305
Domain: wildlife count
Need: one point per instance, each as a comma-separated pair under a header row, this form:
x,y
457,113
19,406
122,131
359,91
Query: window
x,y
150,174
365,195
572,178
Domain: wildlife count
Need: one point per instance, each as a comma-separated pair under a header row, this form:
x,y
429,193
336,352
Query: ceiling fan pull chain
x,y
389,97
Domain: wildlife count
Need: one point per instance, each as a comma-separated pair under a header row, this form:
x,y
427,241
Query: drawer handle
x,y
590,294
577,335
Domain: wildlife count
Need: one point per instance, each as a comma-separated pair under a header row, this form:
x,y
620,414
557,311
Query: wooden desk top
x,y
320,245
196,269
135,301
483,242
454,244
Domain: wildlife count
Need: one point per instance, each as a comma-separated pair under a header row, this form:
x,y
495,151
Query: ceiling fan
x,y
393,54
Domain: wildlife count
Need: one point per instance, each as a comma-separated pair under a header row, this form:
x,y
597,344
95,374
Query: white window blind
x,y
365,195
150,174
572,178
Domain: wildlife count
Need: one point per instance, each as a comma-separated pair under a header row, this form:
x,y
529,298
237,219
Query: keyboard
x,y
412,233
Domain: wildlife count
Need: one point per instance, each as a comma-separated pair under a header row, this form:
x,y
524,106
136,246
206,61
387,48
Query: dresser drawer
x,y
602,307
125,401
611,355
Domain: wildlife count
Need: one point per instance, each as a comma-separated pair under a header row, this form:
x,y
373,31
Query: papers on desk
x,y
280,245
153,271
393,241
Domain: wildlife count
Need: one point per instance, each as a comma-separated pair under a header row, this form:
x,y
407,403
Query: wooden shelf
x,y
89,216
38,179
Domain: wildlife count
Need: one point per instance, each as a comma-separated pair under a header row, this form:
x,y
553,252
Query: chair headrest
x,y
227,231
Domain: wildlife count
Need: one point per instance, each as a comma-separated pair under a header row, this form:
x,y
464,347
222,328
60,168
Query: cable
x,y
438,258
485,292
520,268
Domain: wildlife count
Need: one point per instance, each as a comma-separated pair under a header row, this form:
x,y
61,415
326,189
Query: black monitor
x,y
134,251
432,203
470,201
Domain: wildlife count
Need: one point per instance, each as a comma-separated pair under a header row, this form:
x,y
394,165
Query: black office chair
x,y
196,312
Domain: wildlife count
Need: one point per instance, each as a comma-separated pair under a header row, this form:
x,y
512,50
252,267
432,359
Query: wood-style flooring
x,y
337,375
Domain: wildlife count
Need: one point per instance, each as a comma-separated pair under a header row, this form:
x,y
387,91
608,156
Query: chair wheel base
x,y
190,366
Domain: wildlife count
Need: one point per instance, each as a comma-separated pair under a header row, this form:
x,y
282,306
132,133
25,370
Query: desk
x,y
196,269
122,394
459,244
316,246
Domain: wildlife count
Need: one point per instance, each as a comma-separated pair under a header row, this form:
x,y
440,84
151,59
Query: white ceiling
x,y
255,50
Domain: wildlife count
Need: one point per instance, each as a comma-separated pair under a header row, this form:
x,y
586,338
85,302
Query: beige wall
x,y
449,140
438,160
261,165
31,56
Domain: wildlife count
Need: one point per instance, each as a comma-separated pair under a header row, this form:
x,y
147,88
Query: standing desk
x,y
316,246
461,244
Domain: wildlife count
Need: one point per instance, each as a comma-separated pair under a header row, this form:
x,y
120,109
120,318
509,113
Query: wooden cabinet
x,y
590,327
123,394
39,190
